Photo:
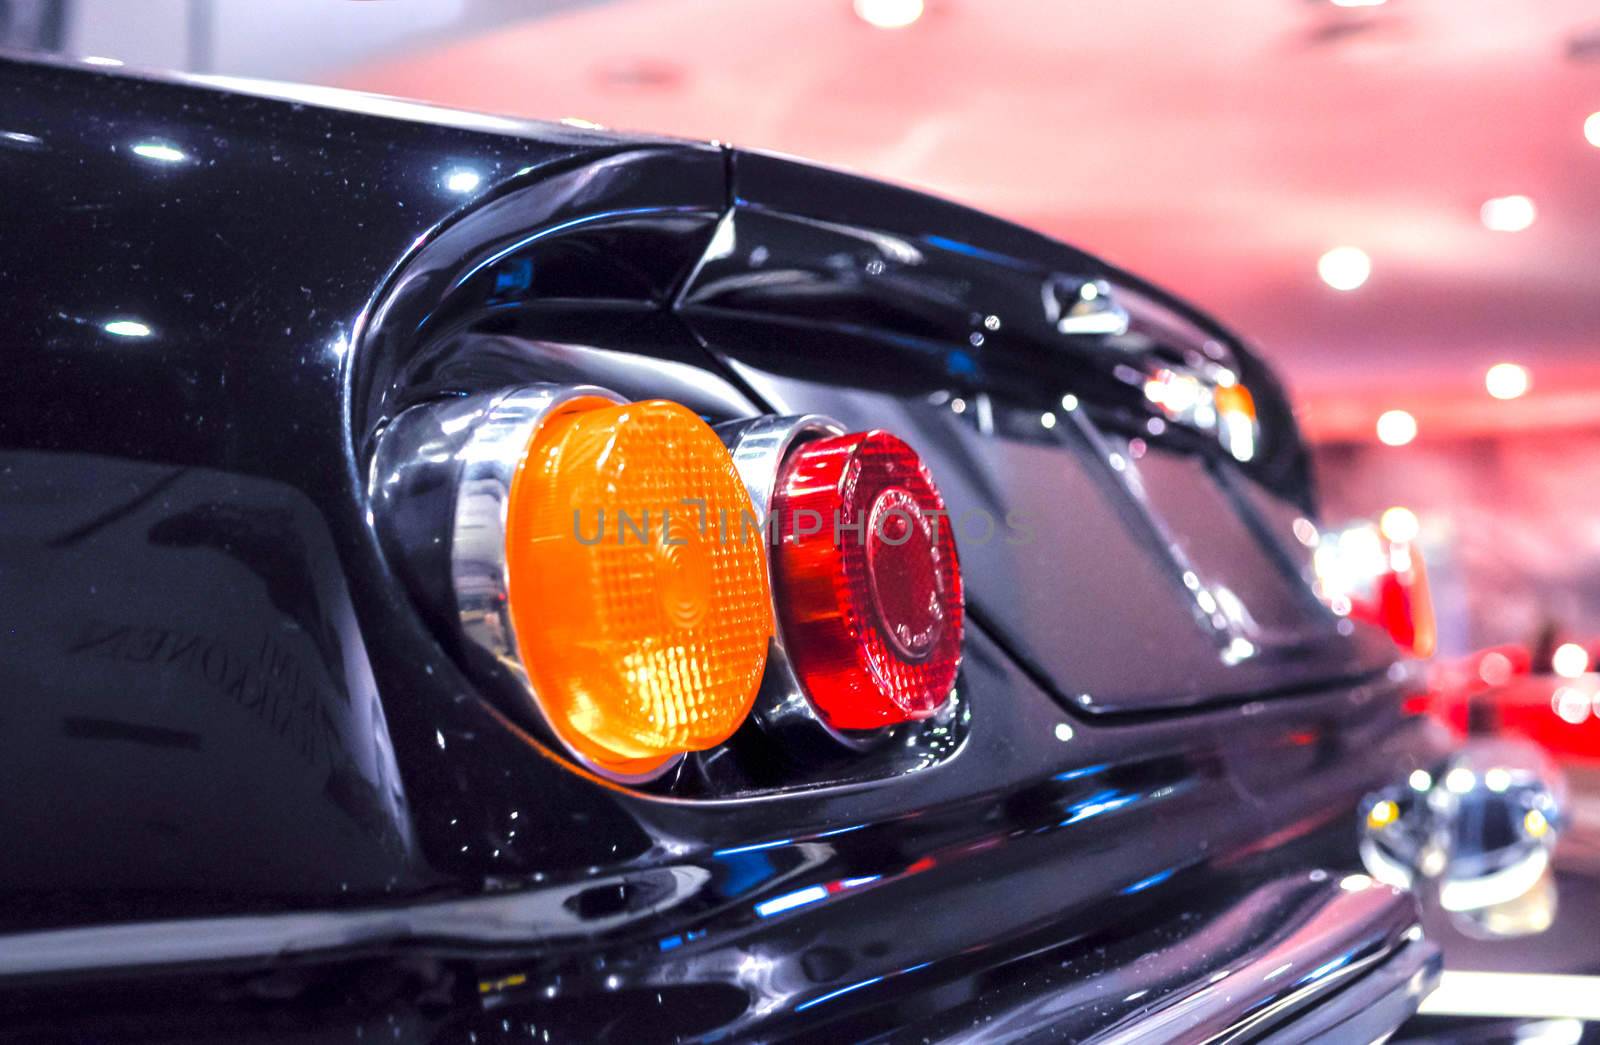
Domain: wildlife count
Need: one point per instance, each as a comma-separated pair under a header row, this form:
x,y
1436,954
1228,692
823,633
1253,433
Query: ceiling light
x,y
1399,525
889,14
1508,213
1570,660
1396,428
1591,129
1344,268
1507,380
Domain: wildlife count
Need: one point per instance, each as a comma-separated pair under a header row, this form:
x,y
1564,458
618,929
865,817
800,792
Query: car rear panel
x,y
1098,546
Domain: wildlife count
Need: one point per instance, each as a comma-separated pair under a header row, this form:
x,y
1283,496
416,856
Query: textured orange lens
x,y
642,621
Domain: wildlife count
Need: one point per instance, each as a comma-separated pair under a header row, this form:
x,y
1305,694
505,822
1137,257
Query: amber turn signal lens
x,y
642,619
868,582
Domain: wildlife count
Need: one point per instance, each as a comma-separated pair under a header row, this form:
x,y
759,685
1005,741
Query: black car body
x,y
253,791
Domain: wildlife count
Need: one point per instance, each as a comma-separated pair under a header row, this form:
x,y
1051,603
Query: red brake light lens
x,y
868,582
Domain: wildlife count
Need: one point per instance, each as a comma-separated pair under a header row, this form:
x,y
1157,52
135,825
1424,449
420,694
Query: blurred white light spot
x,y
1570,705
1570,660
1495,669
582,124
1396,428
1305,531
1399,558
1069,402
1355,883
1460,780
889,14
463,180
958,405
1506,380
723,242
160,153
1357,3
1063,732
127,328
1565,1031
1497,779
1344,268
1047,419
1508,213
1421,780
1559,1002
1238,651
1400,525
1591,129
1361,552
110,63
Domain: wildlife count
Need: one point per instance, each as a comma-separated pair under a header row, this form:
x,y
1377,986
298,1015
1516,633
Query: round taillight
x,y
868,586
642,624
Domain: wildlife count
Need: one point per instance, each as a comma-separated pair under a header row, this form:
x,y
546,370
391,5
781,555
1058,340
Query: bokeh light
x,y
1396,428
1344,268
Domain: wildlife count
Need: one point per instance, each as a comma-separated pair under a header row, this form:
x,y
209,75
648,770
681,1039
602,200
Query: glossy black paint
x,y
224,698
1093,527
224,687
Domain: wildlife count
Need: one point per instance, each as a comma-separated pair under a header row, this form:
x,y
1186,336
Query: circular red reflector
x,y
869,589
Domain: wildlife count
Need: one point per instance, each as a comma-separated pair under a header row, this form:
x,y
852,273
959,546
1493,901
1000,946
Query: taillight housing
x,y
631,584
867,582
591,572
865,576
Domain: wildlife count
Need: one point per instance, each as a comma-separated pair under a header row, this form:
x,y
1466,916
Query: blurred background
x,y
1397,200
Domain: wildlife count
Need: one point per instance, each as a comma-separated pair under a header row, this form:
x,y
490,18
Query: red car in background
x,y
1546,695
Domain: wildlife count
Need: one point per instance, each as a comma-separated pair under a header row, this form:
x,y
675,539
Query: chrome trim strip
x,y
1340,960
489,460
1306,957
517,919
759,445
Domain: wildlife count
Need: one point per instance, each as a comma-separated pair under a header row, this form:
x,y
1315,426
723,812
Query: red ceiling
x,y
1217,147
